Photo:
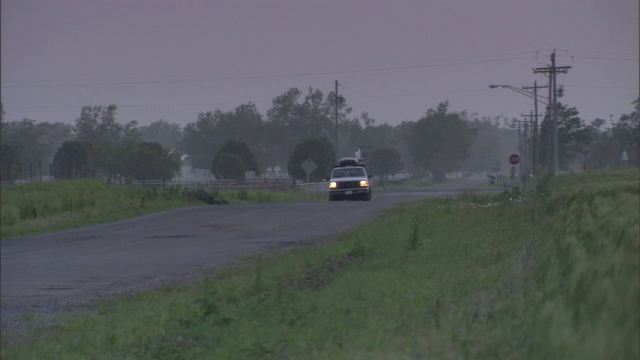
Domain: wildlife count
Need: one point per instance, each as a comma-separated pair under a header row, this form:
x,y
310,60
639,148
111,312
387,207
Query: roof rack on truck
x,y
349,161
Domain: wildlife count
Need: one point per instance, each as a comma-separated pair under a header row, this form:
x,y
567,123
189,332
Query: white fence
x,y
315,187
221,185
208,185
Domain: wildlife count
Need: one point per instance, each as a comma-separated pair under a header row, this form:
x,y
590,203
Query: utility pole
x,y
551,72
523,144
336,134
535,88
530,120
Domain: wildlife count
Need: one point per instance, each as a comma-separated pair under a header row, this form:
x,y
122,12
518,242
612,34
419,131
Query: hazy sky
x,y
171,59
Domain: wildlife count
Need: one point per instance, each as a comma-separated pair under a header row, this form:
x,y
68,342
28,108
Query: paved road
x,y
62,271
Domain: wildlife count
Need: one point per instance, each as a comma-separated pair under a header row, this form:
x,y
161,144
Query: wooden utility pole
x,y
531,151
551,72
535,115
523,145
336,134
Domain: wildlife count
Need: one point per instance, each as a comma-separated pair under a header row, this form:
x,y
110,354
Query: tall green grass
x,y
43,207
512,276
40,207
587,287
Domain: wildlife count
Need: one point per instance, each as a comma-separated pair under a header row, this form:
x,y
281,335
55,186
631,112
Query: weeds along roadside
x,y
438,277
510,276
44,207
588,282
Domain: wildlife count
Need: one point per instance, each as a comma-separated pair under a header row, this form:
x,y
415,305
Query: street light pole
x,y
536,100
533,95
522,91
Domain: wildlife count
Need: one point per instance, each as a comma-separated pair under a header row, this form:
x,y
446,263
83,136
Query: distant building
x,y
191,174
275,172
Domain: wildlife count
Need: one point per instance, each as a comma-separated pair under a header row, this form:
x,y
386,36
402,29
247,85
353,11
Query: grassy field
x,y
44,207
587,283
548,275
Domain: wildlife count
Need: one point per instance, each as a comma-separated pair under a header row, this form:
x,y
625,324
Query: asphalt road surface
x,y
65,271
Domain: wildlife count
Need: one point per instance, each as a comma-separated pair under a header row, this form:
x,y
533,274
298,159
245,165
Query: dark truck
x,y
350,180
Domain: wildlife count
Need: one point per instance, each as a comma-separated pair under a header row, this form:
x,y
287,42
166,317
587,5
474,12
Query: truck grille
x,y
349,185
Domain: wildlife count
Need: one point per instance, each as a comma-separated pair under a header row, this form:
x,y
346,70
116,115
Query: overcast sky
x,y
172,59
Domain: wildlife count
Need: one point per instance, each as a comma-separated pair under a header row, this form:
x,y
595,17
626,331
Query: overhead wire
x,y
367,69
301,73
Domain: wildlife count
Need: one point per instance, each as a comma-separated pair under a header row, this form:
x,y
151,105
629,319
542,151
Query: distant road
x,y
64,270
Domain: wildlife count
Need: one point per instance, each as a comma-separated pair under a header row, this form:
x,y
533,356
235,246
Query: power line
x,y
270,76
599,58
603,87
136,105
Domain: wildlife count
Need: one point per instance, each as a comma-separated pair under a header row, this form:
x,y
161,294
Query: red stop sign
x,y
514,159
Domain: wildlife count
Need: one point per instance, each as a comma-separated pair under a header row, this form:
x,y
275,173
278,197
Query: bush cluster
x,y
213,198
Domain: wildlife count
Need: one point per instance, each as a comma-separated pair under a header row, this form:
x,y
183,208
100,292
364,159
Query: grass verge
x,y
44,207
586,303
493,277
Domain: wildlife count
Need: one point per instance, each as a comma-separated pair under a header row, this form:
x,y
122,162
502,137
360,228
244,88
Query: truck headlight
x,y
333,185
364,183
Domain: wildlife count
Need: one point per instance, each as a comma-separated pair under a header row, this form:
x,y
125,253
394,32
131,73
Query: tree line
x,y
300,126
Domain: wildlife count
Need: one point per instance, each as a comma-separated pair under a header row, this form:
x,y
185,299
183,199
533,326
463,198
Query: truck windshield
x,y
339,173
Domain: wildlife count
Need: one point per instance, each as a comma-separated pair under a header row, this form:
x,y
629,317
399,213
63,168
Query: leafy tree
x,y
244,124
608,144
363,130
382,135
627,132
491,145
97,125
163,132
440,140
131,132
310,117
242,151
9,163
204,138
574,138
199,140
285,108
295,116
35,142
280,126
605,149
121,161
73,160
146,161
319,150
2,123
385,161
351,134
229,166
